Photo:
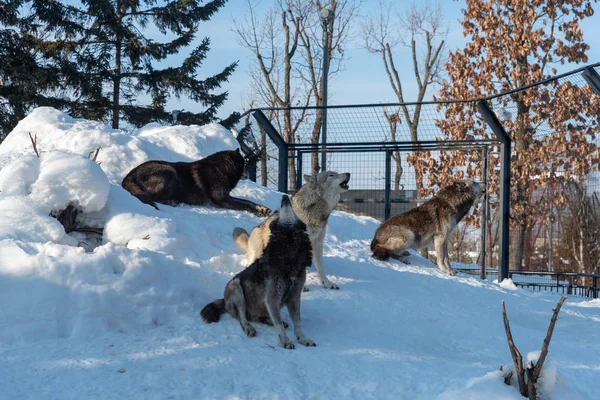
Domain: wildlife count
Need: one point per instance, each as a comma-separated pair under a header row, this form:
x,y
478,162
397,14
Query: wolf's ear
x,y
322,177
237,151
310,179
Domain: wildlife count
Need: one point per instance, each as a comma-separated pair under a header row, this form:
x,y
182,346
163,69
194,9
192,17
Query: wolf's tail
x,y
380,252
240,237
212,311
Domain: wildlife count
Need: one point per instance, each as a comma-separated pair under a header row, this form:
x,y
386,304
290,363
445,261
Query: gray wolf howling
x,y
275,279
204,182
313,204
431,222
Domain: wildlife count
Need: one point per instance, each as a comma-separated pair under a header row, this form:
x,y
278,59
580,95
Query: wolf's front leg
x,y
441,253
293,306
317,246
234,203
273,302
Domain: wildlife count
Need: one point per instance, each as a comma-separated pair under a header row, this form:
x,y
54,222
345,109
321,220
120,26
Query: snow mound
x,y
67,178
31,190
492,386
17,177
508,284
122,321
184,143
119,151
23,220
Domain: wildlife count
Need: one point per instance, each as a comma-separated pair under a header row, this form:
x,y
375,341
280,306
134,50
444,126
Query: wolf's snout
x,y
286,212
344,184
285,200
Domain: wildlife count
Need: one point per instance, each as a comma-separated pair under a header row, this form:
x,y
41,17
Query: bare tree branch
x,y
34,144
528,387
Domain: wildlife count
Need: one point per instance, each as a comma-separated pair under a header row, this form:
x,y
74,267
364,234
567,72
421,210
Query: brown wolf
x,y
204,182
275,279
431,222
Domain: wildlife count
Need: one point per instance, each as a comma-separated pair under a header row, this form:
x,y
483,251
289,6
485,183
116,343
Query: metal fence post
x,y
252,172
299,156
388,184
592,78
484,214
504,198
264,122
327,17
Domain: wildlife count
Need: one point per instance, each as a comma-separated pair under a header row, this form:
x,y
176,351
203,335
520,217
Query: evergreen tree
x,y
103,53
26,80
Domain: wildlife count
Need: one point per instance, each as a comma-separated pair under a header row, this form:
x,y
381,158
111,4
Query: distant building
x,y
372,202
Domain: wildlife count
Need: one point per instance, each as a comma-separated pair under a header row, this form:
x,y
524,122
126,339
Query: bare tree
x,y
580,228
393,120
287,47
423,31
273,40
312,39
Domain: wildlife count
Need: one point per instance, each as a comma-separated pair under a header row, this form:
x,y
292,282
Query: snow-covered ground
x,y
122,321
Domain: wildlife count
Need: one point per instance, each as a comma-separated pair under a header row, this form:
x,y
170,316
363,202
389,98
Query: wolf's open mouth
x,y
344,185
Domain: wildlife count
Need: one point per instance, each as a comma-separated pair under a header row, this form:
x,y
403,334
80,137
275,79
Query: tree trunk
x,y
289,138
117,74
263,157
398,175
316,133
521,135
517,240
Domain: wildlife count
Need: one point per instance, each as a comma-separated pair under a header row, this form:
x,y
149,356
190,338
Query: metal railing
x,y
359,129
564,283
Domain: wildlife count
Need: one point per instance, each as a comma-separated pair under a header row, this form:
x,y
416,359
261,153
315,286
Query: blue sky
x,y
363,80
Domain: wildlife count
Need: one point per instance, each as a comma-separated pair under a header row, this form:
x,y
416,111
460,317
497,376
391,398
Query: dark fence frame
x,y
502,140
556,282
296,150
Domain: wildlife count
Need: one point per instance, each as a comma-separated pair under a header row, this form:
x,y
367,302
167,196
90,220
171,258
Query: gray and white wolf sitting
x,y
431,222
204,182
273,280
313,204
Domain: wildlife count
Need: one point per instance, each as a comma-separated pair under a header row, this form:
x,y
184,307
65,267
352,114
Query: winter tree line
x,y
95,60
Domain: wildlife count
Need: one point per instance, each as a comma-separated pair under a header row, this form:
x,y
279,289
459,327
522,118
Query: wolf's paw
x,y
263,211
306,342
452,272
287,345
249,331
305,289
329,285
403,259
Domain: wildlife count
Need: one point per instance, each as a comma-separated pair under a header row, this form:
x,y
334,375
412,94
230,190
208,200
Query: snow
x,y
122,321
508,284
67,178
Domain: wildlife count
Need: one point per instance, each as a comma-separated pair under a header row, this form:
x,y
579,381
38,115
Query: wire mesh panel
x,y
556,127
366,195
397,161
357,127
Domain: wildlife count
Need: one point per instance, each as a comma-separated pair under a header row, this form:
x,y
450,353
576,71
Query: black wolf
x,y
204,182
275,279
